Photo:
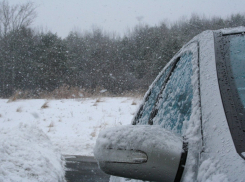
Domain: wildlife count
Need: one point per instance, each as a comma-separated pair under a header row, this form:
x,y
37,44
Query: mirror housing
x,y
143,152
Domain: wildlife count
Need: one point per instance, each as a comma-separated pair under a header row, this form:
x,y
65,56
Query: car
x,y
191,123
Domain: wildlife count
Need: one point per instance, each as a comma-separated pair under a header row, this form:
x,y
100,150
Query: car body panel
x,y
212,155
218,144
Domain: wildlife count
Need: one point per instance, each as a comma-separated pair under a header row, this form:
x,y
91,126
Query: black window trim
x,y
230,98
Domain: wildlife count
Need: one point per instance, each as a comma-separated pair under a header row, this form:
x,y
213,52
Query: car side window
x,y
237,57
173,109
143,115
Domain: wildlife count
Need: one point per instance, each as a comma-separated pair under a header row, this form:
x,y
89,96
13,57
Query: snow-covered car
x,y
191,124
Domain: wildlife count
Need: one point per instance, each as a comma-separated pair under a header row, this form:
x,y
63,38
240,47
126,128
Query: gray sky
x,y
62,16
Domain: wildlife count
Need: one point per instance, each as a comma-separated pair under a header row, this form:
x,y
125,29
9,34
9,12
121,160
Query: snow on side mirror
x,y
143,152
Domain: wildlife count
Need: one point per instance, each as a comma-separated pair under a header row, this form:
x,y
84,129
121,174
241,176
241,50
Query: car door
x,y
170,149
173,102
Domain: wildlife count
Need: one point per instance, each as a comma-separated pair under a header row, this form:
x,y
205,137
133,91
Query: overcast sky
x,y
62,16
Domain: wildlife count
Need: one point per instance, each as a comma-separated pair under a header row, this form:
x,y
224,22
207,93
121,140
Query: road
x,y
84,169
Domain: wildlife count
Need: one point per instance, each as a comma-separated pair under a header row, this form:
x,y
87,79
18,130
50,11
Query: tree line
x,y
39,62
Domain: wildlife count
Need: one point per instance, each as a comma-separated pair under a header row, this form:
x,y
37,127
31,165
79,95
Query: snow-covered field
x,y
35,132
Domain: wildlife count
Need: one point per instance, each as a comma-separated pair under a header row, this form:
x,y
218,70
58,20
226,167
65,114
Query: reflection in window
x,y
174,105
237,60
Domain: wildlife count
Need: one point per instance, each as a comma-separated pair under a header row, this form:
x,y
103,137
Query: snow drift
x,y
26,154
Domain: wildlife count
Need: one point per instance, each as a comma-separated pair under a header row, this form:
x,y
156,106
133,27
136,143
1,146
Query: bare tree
x,y
14,17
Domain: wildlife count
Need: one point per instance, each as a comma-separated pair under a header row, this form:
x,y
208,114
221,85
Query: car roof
x,y
235,30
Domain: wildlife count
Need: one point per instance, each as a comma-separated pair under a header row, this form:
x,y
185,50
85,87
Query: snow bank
x,y
26,154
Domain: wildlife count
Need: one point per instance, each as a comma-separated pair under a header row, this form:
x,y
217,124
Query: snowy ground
x,y
72,127
27,155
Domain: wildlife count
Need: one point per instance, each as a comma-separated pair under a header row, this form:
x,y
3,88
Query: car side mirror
x,y
143,152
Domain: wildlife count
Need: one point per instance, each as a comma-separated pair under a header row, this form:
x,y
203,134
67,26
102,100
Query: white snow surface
x,y
34,133
209,172
71,124
119,137
232,30
138,137
26,154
